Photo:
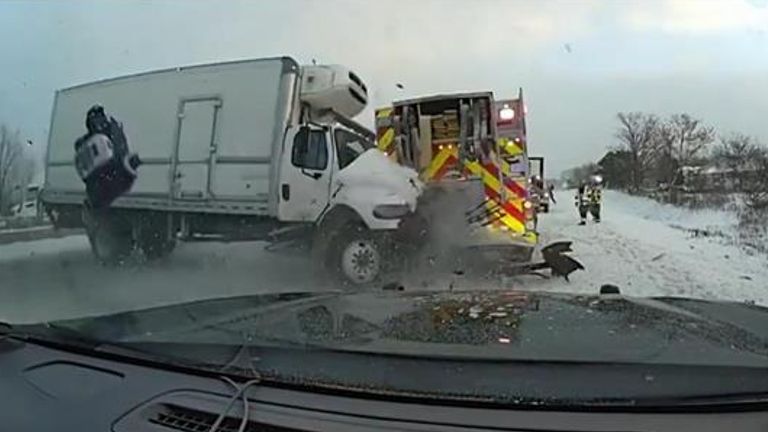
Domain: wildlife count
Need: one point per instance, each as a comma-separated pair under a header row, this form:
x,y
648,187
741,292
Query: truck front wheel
x,y
110,236
356,256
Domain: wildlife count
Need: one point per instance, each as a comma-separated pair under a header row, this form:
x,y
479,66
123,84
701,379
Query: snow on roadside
x,y
644,208
638,248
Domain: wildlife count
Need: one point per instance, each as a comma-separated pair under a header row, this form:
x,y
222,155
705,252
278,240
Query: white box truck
x,y
255,149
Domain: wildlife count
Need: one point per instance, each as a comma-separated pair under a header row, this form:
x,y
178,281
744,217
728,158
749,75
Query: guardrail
x,y
13,235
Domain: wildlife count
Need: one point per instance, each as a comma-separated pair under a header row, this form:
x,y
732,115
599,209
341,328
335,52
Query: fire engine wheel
x,y
110,236
357,257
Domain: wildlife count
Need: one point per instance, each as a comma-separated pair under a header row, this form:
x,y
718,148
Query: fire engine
x,y
472,144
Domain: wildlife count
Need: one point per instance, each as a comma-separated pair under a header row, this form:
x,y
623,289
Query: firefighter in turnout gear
x,y
581,203
589,199
595,197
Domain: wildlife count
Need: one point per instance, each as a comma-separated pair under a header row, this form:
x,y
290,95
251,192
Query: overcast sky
x,y
579,62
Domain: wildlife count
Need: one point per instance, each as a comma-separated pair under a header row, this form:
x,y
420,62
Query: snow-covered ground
x,y
649,249
645,248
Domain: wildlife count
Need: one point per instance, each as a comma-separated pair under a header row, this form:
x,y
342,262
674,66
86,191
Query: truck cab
x,y
328,165
333,178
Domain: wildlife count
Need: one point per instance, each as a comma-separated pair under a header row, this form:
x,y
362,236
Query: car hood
x,y
480,325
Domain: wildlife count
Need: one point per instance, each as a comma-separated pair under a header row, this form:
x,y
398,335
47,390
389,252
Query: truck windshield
x,y
349,146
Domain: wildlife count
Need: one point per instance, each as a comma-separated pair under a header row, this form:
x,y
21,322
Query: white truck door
x,y
305,175
195,148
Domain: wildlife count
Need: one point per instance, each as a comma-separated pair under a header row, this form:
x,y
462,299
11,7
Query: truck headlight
x,y
391,211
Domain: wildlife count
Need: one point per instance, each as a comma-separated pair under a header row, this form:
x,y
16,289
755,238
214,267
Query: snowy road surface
x,y
59,278
641,246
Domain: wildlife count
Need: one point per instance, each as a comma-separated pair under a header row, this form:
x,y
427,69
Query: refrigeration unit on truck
x,y
258,149
467,147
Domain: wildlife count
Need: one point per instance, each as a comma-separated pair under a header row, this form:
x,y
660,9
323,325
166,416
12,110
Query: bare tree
x,y
746,162
681,140
740,155
687,138
755,182
11,152
637,135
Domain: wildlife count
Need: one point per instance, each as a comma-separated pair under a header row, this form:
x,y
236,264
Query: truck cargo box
x,y
206,135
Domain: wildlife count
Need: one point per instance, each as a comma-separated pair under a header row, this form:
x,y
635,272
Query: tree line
x,y
676,153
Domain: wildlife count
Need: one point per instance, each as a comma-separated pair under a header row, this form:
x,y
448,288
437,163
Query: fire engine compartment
x,y
441,137
432,124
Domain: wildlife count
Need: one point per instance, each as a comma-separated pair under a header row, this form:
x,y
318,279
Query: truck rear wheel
x,y
110,235
155,244
356,256
153,237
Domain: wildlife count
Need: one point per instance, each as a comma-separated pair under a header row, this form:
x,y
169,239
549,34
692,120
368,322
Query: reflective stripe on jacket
x,y
594,196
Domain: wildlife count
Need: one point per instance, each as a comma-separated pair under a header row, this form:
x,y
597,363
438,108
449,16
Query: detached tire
x,y
355,256
110,235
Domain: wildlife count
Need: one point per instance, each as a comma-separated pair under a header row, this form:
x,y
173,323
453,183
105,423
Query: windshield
x,y
349,146
505,183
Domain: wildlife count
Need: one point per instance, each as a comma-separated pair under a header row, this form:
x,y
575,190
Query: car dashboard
x,y
46,388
